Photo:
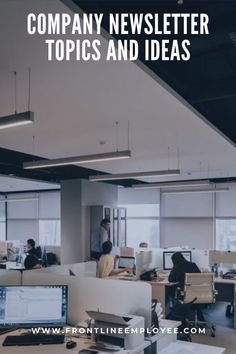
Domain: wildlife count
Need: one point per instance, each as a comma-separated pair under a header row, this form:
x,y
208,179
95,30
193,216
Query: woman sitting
x,y
106,263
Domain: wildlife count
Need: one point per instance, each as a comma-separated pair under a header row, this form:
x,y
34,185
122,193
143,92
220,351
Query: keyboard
x,y
34,339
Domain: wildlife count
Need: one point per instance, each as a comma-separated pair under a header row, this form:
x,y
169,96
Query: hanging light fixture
x,y
197,190
18,119
120,176
107,156
172,184
25,199
117,155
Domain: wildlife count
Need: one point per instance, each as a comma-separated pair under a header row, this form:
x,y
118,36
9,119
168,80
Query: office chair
x,y
199,287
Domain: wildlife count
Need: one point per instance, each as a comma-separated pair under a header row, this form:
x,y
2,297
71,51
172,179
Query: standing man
x,y
98,237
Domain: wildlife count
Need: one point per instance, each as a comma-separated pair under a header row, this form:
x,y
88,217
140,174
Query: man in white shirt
x,y
98,237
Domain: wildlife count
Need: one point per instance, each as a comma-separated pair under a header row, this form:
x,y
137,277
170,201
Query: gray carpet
x,y
225,333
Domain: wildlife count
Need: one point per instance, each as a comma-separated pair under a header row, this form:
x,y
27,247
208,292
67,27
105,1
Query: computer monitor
x,y
126,262
167,261
29,306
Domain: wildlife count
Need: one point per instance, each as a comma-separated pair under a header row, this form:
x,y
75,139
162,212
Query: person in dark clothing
x,y
32,262
31,249
180,267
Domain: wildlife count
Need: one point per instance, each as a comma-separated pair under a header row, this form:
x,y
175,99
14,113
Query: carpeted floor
x,y
225,333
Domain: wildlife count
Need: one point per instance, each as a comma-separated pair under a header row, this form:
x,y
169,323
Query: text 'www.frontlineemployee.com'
x,y
116,330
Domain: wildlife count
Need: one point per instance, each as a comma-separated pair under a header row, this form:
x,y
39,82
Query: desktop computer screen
x,y
29,306
126,262
167,262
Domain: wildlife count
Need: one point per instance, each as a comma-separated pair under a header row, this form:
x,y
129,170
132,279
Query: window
x,y
49,232
2,222
143,224
226,234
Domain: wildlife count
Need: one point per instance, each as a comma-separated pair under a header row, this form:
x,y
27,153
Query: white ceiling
x,y
13,184
76,105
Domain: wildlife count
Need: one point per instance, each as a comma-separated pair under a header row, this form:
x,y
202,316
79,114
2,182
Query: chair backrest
x,y
56,250
199,286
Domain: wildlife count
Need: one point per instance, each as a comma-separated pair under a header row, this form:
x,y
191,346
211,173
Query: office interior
x,y
84,108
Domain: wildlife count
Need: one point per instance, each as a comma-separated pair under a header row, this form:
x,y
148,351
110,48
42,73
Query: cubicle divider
x,y
10,277
85,269
106,295
222,257
146,262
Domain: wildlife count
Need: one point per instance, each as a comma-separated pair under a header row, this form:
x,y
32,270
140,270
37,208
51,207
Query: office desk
x,y
161,289
60,348
226,292
11,266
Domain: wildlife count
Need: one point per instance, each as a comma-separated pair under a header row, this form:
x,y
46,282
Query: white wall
x,y
76,198
94,193
72,243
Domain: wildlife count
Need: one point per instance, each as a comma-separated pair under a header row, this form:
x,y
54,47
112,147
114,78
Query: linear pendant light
x,y
171,184
18,199
197,190
16,119
119,176
117,155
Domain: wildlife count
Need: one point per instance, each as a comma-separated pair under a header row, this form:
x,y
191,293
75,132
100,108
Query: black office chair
x,y
180,312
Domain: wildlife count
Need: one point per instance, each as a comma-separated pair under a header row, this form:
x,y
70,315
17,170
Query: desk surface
x,y
224,281
82,343
12,266
180,347
164,282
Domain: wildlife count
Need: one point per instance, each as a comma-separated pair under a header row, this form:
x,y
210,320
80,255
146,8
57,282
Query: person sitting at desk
x,y
180,267
177,274
32,262
31,249
106,263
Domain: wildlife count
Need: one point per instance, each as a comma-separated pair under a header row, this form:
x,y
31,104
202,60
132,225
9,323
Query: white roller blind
x,y
196,233
22,230
187,205
226,202
25,209
49,205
